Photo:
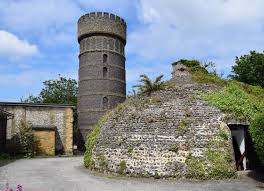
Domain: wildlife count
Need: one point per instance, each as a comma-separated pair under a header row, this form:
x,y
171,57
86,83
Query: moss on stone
x,y
91,142
130,150
217,162
122,167
183,125
103,164
174,148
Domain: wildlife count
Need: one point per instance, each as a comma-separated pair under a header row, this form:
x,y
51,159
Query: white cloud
x,y
37,16
13,47
216,30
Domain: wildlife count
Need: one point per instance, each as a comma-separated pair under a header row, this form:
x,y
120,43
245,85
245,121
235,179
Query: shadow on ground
x,y
6,162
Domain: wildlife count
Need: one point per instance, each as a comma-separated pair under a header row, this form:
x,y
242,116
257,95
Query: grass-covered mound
x,y
238,99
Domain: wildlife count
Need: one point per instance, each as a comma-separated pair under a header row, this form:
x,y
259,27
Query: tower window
x,y
105,72
105,103
104,58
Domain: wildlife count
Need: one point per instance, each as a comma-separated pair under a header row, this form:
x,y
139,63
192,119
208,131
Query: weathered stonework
x,y
164,134
44,115
68,131
102,85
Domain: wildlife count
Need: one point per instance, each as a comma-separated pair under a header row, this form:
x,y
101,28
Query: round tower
x,y
102,81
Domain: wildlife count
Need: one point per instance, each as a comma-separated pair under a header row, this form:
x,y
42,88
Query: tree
x,y
59,91
249,69
147,87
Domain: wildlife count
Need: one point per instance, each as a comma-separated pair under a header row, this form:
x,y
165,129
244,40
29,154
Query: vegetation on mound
x,y
147,86
236,98
122,167
246,102
241,100
216,164
257,132
91,141
200,72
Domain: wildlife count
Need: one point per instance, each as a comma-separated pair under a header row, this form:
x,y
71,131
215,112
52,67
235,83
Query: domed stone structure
x,y
172,133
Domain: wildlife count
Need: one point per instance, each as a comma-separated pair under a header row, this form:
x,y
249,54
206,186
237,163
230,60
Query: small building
x,y
52,126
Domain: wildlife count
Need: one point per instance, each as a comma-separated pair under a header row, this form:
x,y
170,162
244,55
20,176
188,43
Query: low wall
x,y
61,117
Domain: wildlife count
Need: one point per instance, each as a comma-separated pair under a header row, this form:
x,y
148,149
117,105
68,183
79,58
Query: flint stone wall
x,y
45,116
145,135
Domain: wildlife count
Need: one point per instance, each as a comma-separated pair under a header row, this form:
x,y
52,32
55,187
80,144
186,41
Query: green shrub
x,y
257,132
243,101
174,148
23,140
193,65
122,167
216,164
200,74
234,100
91,141
103,165
183,124
223,134
196,167
130,150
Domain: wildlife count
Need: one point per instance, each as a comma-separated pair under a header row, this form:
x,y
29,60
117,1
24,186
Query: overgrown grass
x,y
216,164
244,102
200,73
91,141
122,167
235,100
257,132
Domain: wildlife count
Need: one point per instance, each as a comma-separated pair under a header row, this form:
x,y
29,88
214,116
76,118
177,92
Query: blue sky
x,y
38,38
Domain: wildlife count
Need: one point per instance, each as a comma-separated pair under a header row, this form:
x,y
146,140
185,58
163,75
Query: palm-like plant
x,y
148,86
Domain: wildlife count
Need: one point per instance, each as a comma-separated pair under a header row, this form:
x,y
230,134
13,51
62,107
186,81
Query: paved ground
x,y
68,174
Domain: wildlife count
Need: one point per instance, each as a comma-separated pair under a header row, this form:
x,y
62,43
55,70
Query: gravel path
x,y
68,174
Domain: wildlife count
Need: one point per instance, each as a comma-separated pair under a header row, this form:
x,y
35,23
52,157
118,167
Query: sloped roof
x,y
36,104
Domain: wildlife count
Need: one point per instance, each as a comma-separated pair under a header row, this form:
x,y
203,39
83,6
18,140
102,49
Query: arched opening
x,y
105,58
105,103
105,72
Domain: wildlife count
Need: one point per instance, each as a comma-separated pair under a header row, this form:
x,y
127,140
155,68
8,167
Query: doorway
x,y
244,152
3,123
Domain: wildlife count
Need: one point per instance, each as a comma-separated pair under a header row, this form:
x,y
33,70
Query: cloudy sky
x,y
38,38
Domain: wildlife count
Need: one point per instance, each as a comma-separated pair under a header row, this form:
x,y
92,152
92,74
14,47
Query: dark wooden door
x,y
3,121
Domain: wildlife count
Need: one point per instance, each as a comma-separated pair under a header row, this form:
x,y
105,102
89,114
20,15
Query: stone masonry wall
x,y
155,136
60,117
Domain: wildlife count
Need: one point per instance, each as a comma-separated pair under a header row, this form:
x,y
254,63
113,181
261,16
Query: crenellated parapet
x,y
95,23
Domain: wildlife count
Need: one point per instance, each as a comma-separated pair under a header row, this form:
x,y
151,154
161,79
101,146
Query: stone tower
x,y
102,81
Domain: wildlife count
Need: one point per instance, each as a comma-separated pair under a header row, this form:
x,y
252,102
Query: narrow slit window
x,y
104,58
105,70
105,103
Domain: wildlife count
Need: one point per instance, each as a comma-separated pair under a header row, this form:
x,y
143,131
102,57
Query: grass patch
x,y
257,132
174,148
91,141
103,165
216,164
200,73
235,100
122,167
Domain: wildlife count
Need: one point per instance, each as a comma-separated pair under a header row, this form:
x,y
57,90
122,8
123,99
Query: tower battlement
x,y
95,23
